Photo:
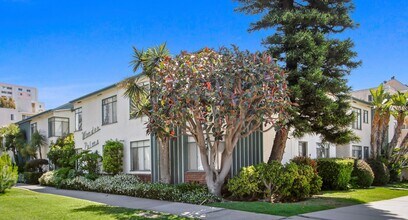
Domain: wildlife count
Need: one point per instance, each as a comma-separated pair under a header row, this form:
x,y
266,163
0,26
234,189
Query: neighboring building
x,y
26,101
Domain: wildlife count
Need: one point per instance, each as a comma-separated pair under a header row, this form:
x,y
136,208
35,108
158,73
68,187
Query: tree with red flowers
x,y
219,97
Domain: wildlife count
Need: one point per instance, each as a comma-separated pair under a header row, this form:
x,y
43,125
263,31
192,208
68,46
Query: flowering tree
x,y
219,97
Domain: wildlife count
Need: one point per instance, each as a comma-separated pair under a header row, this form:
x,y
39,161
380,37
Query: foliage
x,y
126,185
381,172
362,175
7,102
113,157
38,141
47,179
62,153
63,174
316,60
245,184
88,163
300,160
276,182
32,177
35,165
15,141
8,173
335,172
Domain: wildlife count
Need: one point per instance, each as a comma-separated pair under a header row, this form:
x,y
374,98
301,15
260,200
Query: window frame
x,y
114,112
305,154
365,117
357,123
78,111
32,125
360,150
52,133
132,169
325,146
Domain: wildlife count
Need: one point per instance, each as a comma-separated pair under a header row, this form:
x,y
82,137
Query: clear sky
x,y
67,48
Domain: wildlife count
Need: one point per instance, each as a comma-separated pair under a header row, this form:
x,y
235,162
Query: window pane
x,y
147,158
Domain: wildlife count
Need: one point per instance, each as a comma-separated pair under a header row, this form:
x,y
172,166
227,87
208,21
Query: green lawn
x,y
327,200
24,204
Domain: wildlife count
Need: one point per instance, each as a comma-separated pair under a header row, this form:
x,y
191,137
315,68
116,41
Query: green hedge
x,y
381,172
32,177
362,175
113,157
335,173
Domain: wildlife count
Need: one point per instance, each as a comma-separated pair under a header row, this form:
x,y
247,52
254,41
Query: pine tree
x,y
304,42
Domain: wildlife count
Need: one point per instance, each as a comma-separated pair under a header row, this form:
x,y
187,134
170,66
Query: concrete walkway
x,y
387,209
181,209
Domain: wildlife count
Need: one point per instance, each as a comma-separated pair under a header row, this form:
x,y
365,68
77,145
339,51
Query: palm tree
x,y
381,103
399,110
38,141
142,99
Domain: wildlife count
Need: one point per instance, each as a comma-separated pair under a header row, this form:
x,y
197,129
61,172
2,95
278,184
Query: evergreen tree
x,y
304,43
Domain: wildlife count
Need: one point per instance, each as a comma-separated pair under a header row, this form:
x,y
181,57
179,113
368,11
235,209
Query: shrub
x,y
276,182
381,172
362,175
88,163
299,160
62,174
36,165
335,173
32,177
62,153
47,179
131,186
8,173
245,184
113,157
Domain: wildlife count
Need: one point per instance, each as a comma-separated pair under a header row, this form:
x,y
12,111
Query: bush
x,y
32,177
62,153
36,165
62,174
131,186
8,173
381,172
299,160
362,175
89,164
47,179
245,184
276,182
335,173
113,157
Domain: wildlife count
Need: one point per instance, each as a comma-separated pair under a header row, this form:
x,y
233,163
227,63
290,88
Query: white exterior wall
x,y
5,116
125,129
292,144
42,126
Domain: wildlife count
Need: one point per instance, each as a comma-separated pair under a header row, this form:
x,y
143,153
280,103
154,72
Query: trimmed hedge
x,y
381,172
362,175
335,172
32,177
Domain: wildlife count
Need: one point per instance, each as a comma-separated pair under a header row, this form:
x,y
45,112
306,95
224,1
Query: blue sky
x,y
68,48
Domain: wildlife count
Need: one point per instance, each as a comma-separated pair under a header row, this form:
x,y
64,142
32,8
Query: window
x,y
323,150
78,119
370,98
28,90
357,121
12,117
302,148
357,152
140,155
194,158
365,116
109,110
33,128
20,89
366,152
58,127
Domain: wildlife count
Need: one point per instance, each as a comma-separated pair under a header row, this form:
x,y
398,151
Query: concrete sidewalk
x,y
181,209
386,209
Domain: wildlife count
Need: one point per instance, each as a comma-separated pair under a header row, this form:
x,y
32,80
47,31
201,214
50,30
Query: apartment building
x,y
106,114
26,103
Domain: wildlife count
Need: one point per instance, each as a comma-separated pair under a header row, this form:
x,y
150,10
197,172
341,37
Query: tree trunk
x,y
164,164
215,181
397,135
279,145
39,151
374,134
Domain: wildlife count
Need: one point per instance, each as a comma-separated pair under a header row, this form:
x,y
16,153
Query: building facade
x,y
26,103
106,115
